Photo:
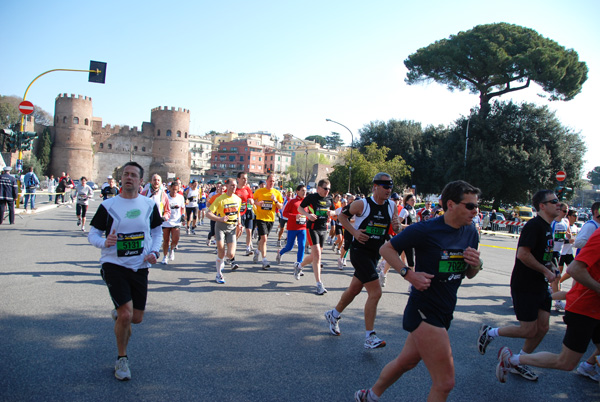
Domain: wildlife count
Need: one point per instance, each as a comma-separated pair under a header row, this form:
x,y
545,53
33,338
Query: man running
x,y
132,226
266,199
532,272
318,208
296,229
225,212
247,216
374,217
446,252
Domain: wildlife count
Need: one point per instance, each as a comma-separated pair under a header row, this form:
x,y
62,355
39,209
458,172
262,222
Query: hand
x,y
273,197
259,203
549,275
312,217
361,236
111,239
224,219
420,280
151,258
471,256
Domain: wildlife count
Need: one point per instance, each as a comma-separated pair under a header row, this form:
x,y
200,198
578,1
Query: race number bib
x,y
130,244
376,229
267,206
300,219
452,261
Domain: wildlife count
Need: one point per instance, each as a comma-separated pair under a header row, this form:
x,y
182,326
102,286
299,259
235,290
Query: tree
x,y
318,139
10,114
418,147
44,149
365,165
594,176
333,141
495,59
514,152
302,168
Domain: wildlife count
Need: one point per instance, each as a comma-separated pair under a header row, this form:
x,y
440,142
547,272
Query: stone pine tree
x,y
496,59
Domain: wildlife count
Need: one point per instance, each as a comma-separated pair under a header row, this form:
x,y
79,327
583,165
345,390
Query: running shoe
x,y
382,280
266,265
525,372
234,265
503,365
334,326
114,315
78,220
343,261
362,395
187,231
220,279
255,258
278,243
337,251
483,340
165,260
83,228
278,258
248,252
172,255
297,270
340,264
333,247
590,371
373,342
193,231
122,371
321,289
208,242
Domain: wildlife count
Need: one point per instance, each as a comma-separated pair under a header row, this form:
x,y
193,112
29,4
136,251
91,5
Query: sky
x,y
276,66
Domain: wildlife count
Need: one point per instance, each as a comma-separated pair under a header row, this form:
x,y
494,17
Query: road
x,y
259,337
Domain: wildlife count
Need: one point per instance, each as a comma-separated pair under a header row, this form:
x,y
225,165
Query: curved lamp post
x,y
351,146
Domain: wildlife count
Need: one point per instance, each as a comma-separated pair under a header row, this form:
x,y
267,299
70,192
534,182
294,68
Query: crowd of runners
x,y
433,248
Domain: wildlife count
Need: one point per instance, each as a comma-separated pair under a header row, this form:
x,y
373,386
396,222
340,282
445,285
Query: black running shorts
x,y
317,237
415,313
528,304
365,265
125,285
580,330
263,227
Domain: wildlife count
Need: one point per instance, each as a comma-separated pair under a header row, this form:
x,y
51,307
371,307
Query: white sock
x,y
219,266
264,259
587,365
515,360
493,332
335,313
371,396
369,332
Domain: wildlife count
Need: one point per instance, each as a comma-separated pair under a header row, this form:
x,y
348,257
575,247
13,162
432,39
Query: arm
x,y
396,225
583,235
524,254
420,280
356,208
578,270
473,259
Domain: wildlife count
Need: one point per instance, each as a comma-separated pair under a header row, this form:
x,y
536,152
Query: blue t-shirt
x,y
438,251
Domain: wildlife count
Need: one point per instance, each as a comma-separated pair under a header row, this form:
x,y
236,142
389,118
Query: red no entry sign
x,y
560,176
26,107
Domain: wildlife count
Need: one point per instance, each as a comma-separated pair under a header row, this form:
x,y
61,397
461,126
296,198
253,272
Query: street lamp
x,y
351,146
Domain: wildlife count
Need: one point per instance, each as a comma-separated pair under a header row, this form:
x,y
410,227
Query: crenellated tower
x,y
72,148
170,149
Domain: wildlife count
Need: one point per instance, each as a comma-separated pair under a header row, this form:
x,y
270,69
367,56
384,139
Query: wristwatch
x,y
156,253
404,271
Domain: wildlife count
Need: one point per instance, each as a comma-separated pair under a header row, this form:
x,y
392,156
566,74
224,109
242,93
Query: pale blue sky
x,y
276,66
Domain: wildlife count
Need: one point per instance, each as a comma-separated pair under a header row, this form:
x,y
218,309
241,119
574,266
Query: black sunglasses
x,y
553,201
469,205
326,188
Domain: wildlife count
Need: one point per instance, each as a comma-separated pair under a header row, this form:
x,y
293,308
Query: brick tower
x,y
72,148
170,149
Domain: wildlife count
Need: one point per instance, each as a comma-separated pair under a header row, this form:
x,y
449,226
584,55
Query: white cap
x,y
109,177
7,168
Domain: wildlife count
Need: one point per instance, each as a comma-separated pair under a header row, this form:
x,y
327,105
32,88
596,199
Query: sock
x,y
232,260
586,365
523,353
493,333
335,313
264,259
515,360
371,396
368,332
219,266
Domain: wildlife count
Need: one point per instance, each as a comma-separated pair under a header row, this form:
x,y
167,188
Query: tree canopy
x,y
594,176
365,165
9,112
495,59
334,141
319,139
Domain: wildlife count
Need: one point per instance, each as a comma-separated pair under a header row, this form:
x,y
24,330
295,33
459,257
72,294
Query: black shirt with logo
x,y
319,206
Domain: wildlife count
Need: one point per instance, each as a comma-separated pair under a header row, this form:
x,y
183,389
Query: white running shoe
x,y
255,258
172,255
220,279
122,371
503,365
559,305
587,370
321,289
278,258
297,270
340,264
165,260
373,342
334,326
266,265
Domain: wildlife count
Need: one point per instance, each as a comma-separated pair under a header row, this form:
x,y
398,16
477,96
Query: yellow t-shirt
x,y
268,209
224,205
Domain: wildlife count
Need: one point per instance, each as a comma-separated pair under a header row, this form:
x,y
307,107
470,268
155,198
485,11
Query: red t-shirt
x,y
244,193
296,221
582,300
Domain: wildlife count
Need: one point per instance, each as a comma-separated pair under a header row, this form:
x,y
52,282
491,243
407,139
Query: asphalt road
x,y
259,337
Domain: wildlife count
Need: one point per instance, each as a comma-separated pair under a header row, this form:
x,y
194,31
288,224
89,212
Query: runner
x,y
266,199
446,252
84,195
532,272
296,229
247,216
172,227
318,208
225,212
374,217
132,226
191,195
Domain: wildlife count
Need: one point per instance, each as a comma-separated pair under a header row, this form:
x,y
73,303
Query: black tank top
x,y
376,220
